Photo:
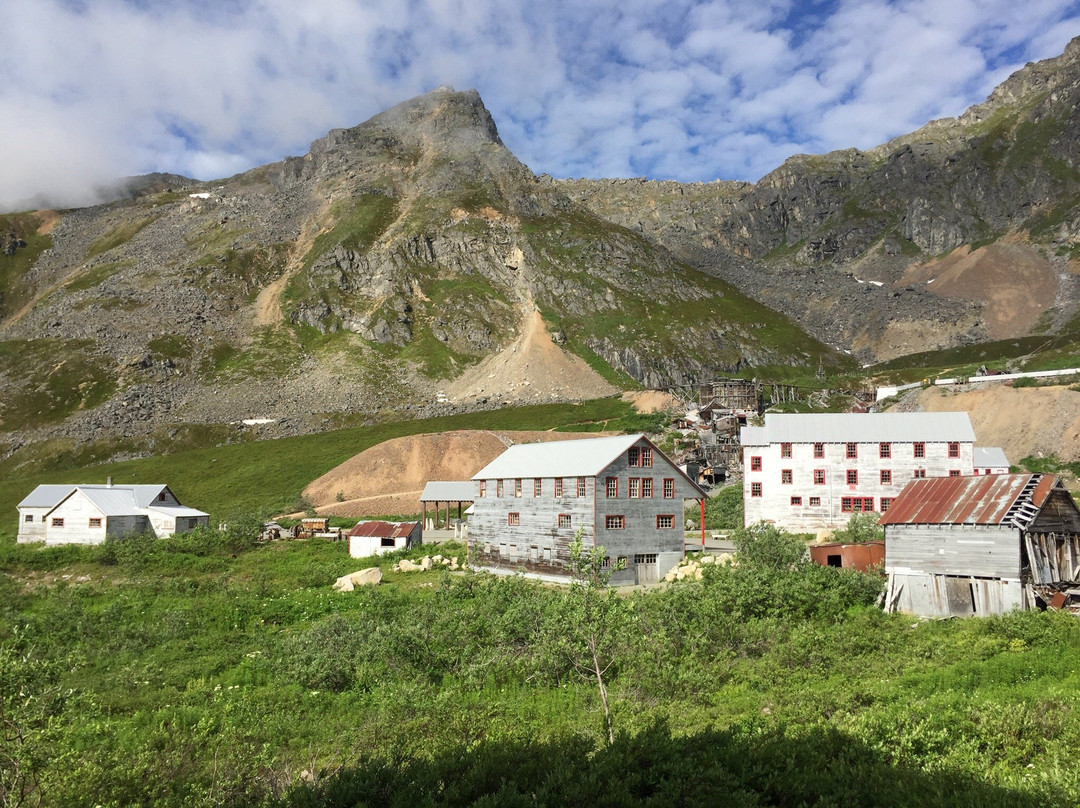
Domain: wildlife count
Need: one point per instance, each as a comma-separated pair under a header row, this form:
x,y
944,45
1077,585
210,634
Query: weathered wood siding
x,y
990,551
33,530
929,595
774,504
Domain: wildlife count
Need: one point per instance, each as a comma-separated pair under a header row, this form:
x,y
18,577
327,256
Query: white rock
x,y
368,577
407,566
344,584
425,563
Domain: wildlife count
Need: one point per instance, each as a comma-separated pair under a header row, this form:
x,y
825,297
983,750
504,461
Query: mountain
x,y
408,265
964,231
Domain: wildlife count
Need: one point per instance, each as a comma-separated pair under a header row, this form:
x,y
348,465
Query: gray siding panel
x,y
990,551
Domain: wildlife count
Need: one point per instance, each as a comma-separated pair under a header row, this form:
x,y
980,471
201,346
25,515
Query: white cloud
x,y
690,90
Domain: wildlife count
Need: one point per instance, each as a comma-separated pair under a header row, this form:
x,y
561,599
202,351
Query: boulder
x,y
425,563
408,566
369,577
344,584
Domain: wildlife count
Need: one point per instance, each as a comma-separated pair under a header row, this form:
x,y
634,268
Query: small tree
x,y
861,527
596,612
766,545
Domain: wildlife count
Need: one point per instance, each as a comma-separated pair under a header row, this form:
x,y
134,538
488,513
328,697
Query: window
x,y
954,449
646,457
954,472
755,463
886,476
633,456
884,450
819,476
513,519
28,518
482,491
615,522
162,497
852,450
885,503
498,488
819,450
785,476
856,504
669,489
538,487
755,489
785,450
558,487
919,449
634,488
665,521
919,474
517,488
58,521
564,520
581,486
815,502
95,521
846,504
646,487
852,476
644,558
796,501
613,486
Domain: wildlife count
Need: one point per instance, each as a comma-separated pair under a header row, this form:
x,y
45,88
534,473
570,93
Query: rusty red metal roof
x,y
384,530
979,500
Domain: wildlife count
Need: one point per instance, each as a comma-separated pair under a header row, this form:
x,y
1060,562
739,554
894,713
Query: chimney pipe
x,y
108,482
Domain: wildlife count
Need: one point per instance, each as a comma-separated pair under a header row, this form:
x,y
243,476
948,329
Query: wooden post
x,y
424,523
702,524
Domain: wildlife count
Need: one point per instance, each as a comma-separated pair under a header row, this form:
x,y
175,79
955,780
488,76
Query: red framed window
x,y
58,521
852,476
847,504
755,463
796,501
819,476
884,450
633,457
856,504
755,489
517,488
95,521
646,457
558,486
669,488
665,521
919,474
785,450
482,489
954,449
633,488
886,476
885,503
564,520
499,488
538,487
612,486
819,451
513,519
954,472
918,449
615,522
646,487
785,476
581,486
815,502
852,451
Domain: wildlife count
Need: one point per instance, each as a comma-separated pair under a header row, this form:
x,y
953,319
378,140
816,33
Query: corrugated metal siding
x,y
981,500
931,427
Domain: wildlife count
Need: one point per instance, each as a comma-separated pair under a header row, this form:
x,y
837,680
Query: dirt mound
x,y
1013,282
533,368
389,478
646,401
1036,421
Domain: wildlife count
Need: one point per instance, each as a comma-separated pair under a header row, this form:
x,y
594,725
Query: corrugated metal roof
x,y
563,458
984,500
989,457
860,428
46,496
384,530
449,491
176,510
111,501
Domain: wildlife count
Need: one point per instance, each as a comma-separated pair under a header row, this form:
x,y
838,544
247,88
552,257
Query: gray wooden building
x,y
960,546
622,492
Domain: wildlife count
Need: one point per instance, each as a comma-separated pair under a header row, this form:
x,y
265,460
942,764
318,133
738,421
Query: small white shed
x,y
376,538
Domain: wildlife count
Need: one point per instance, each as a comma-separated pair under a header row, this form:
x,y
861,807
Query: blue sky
x,y
669,89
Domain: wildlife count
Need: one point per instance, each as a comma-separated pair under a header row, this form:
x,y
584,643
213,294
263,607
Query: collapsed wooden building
x,y
960,546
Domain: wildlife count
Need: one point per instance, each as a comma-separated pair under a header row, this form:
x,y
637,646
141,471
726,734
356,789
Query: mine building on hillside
x,y
982,545
88,514
811,472
622,492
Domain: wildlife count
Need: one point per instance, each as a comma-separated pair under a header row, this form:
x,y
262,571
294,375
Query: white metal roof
x,y
563,458
46,496
176,510
989,457
449,491
860,428
112,500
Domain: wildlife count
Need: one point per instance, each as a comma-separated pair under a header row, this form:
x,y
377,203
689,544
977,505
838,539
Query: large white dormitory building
x,y
810,472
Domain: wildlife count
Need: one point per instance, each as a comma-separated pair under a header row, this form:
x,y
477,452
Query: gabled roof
x,y
176,510
384,530
111,500
860,428
449,491
987,500
989,457
46,496
563,458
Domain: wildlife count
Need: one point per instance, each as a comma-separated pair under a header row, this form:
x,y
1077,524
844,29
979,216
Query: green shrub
x,y
861,527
